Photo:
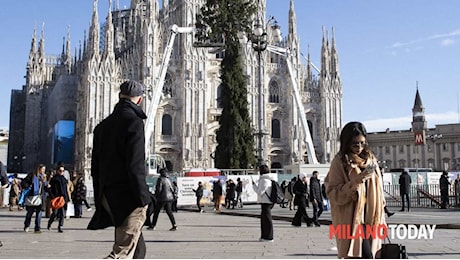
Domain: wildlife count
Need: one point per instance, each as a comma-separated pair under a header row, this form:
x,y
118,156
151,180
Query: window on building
x,y
429,148
273,92
168,86
387,150
166,125
401,149
445,147
310,128
276,131
446,164
219,96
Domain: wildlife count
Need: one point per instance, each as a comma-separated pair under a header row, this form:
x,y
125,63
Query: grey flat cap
x,y
132,88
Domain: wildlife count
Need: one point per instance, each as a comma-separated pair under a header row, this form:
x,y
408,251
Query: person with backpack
x,y
263,190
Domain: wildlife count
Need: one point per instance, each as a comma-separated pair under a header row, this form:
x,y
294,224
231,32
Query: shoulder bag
x,y
35,200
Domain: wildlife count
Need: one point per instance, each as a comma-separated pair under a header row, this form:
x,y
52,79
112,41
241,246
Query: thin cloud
x,y
429,38
404,123
447,42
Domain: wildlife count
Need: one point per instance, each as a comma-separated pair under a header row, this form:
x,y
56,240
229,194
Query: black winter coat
x,y
301,192
3,176
59,187
118,165
164,190
199,191
404,183
315,190
444,184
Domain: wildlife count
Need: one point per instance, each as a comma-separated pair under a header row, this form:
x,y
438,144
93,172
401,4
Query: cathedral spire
x,y
325,56
41,45
309,71
33,48
93,39
334,58
108,47
293,40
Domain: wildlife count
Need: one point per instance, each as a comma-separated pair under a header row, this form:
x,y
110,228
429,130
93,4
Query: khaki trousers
x,y
127,235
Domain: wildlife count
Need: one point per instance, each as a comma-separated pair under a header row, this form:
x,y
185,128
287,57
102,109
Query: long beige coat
x,y
347,201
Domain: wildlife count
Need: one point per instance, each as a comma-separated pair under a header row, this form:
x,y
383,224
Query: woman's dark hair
x,y
349,132
263,169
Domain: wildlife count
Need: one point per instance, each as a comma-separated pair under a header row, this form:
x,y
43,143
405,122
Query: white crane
x,y
308,141
153,160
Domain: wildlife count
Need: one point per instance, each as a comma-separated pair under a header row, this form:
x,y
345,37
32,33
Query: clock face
x,y
418,114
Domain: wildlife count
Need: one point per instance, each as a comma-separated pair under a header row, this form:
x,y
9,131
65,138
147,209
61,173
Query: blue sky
x,y
384,47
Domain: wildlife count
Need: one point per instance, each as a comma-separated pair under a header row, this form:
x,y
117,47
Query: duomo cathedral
x,y
65,96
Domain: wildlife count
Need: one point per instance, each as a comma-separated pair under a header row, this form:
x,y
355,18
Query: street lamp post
x,y
259,44
434,138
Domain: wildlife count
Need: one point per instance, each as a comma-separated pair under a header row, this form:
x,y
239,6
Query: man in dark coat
x,y
444,187
199,195
217,195
404,188
118,170
316,197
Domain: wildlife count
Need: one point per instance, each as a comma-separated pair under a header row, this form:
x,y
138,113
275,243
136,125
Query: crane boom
x,y
157,88
308,140
159,83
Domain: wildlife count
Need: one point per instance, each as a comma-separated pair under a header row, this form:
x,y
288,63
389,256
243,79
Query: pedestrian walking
x,y
59,187
118,170
404,189
217,195
15,191
199,194
290,193
444,187
316,197
35,181
239,192
78,195
3,187
263,189
164,194
354,188
230,194
175,195
300,190
457,190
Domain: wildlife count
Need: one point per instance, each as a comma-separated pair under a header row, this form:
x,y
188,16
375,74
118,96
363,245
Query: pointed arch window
x,y
219,96
168,86
276,128
310,128
273,92
166,125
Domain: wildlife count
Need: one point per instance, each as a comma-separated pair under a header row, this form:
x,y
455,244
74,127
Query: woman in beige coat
x,y
354,188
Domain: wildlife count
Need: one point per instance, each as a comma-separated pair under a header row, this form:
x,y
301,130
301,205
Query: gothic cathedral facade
x,y
130,45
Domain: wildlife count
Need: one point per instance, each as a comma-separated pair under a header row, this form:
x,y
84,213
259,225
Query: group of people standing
x,y
40,188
